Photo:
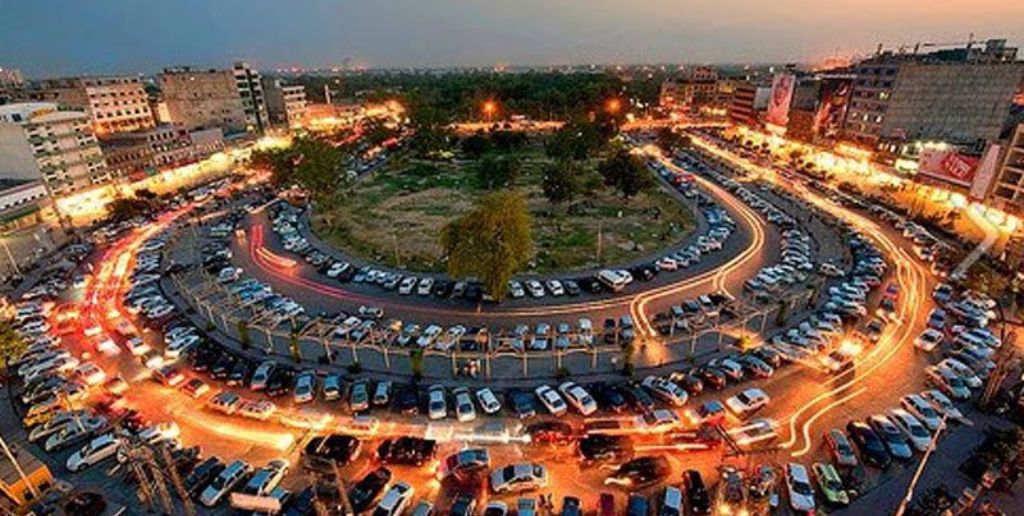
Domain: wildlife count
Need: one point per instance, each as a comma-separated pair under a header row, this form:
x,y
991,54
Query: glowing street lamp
x,y
613,105
490,108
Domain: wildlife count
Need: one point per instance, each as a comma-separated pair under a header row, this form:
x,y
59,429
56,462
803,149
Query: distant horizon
x,y
67,37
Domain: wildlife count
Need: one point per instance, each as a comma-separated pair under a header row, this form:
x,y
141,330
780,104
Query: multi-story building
x,y
250,90
136,155
1009,184
202,99
286,103
742,109
958,95
39,141
116,104
692,88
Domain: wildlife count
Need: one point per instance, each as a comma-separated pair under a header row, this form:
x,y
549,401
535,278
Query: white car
x,y
747,402
98,450
224,483
551,400
942,404
519,477
799,488
437,407
464,410
922,410
160,432
578,397
912,429
516,290
928,340
395,501
426,285
666,390
177,347
555,287
265,479
408,283
535,288
137,347
90,374
305,387
488,401
666,264
961,369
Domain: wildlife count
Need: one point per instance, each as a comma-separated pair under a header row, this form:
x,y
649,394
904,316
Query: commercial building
x,y
144,153
115,104
250,90
202,99
286,103
957,95
20,201
18,482
1009,184
40,141
693,88
747,100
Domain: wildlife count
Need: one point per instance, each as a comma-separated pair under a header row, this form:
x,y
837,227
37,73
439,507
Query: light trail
x,y
810,421
910,277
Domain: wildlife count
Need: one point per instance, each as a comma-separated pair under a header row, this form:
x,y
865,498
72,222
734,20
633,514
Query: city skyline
x,y
129,37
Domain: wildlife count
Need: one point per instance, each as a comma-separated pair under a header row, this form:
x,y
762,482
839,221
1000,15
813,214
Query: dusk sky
x,y
53,37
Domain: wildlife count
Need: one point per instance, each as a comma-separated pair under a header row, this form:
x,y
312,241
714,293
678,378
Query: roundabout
x,y
730,360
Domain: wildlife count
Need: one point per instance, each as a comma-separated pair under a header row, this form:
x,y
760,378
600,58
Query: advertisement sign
x,y
947,164
835,93
780,99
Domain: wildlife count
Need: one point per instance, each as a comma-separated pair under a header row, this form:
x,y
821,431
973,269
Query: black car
x,y
240,373
407,450
85,503
522,403
365,492
643,272
324,452
571,287
464,505
603,448
407,399
591,285
474,293
769,356
696,492
608,397
869,443
280,382
222,368
688,380
442,288
639,398
641,471
202,475
713,377
300,504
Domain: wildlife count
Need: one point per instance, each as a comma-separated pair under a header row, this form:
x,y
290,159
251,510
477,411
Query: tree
x,y
576,140
475,146
561,182
243,334
626,173
126,208
310,163
493,173
491,242
416,361
294,346
12,345
670,140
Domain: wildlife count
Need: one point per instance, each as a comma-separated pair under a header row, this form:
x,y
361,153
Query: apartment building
x,y
250,90
286,103
202,99
40,141
115,104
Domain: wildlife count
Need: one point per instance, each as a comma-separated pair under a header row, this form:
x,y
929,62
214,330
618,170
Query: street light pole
x,y
920,468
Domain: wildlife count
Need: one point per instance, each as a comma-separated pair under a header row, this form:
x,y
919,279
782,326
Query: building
x,y
11,78
692,89
115,104
250,90
16,486
144,153
1009,185
743,108
20,201
286,103
202,99
958,95
42,142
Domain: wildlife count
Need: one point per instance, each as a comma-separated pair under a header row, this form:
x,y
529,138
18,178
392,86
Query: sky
x,y
60,37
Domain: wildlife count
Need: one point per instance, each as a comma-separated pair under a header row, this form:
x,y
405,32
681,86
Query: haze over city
x,y
69,36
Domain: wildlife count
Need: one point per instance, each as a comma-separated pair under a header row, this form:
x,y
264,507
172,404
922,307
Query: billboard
x,y
833,99
947,164
780,99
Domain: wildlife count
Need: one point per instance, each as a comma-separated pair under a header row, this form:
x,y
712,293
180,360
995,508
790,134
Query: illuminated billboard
x,y
947,164
780,99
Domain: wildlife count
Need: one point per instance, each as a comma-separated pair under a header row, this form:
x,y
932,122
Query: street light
x,y
490,108
613,105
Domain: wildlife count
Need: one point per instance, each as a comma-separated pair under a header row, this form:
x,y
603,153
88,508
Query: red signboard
x,y
948,165
780,99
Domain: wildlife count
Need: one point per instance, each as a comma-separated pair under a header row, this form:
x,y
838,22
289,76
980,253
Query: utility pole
x,y
600,239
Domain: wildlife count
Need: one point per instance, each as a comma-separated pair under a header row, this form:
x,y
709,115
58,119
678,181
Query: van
x,y
614,280
224,482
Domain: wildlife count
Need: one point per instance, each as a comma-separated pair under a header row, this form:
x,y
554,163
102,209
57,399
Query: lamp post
x,y
920,468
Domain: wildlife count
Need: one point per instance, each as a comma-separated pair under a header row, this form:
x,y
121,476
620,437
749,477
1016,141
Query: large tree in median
x,y
626,173
12,345
491,242
561,181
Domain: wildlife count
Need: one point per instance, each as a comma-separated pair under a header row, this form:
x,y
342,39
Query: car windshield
x,y
802,488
